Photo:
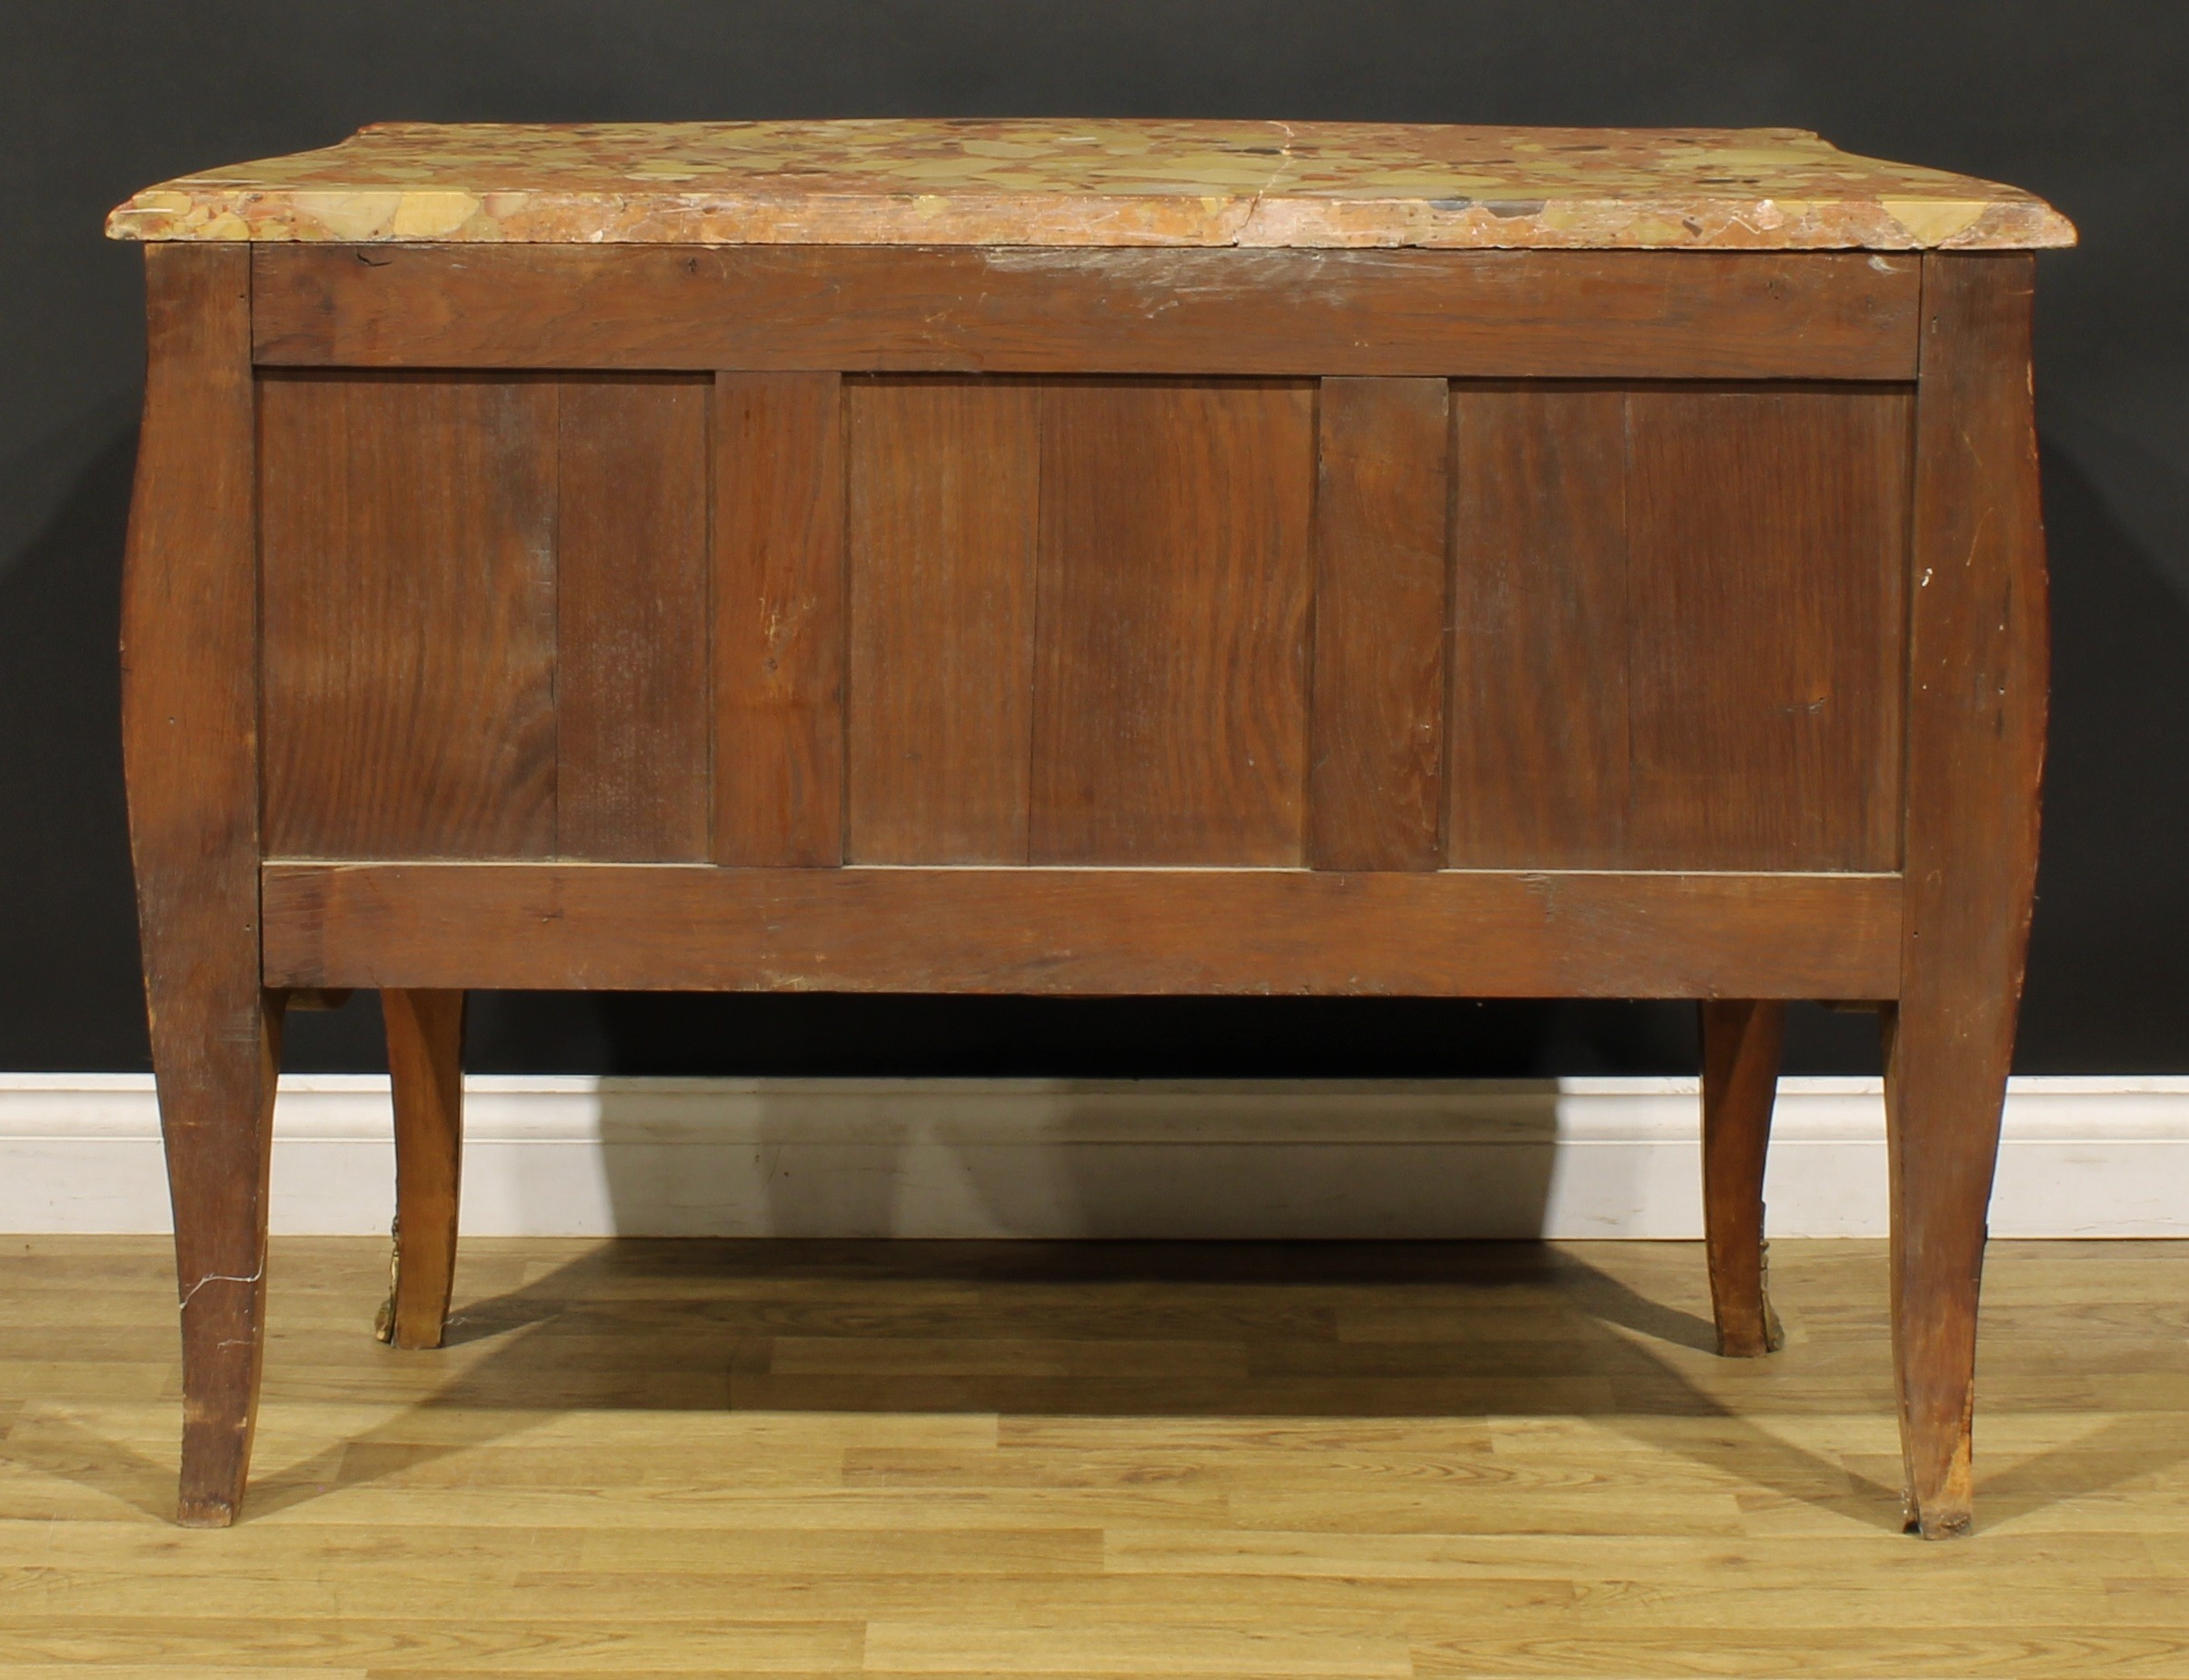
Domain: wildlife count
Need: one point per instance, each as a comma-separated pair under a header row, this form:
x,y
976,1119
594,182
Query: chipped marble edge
x,y
291,215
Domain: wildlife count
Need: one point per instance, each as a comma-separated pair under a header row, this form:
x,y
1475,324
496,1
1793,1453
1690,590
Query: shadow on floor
x,y
1231,1330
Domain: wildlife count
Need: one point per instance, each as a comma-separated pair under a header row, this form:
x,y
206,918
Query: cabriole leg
x,y
190,753
1976,755
1742,1041
425,1068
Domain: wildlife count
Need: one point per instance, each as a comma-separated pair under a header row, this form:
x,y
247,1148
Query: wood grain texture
x,y
632,708
1375,750
1725,569
1742,1039
1767,536
190,747
1540,754
778,618
1517,314
407,558
1459,933
426,1075
943,478
1977,675
1170,643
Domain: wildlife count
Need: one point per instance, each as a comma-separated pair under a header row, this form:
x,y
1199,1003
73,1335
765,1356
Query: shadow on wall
x,y
1175,1119
1083,1158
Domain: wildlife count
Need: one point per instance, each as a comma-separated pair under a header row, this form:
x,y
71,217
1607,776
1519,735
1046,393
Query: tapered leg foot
x,y
215,1070
1944,1092
425,1067
1742,1041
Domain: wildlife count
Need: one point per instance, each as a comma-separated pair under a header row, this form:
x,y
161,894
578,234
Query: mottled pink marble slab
x,y
1108,182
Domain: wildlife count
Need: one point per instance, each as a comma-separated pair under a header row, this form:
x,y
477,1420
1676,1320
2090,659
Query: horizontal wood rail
x,y
1497,314
1089,931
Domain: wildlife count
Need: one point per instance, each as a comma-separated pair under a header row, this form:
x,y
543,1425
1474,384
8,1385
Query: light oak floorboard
x,y
835,1459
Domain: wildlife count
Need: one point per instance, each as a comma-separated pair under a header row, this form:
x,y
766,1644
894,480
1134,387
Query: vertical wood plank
x,y
1767,539
778,618
1170,645
632,703
408,562
1538,749
943,477
1376,756
190,750
1977,675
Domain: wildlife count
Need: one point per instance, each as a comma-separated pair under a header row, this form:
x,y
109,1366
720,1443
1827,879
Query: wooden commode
x,y
1086,558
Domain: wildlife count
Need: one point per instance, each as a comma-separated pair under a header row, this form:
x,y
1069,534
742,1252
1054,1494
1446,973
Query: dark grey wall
x,y
2082,103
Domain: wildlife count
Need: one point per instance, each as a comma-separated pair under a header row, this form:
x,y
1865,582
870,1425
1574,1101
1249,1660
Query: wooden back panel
x,y
1679,626
407,565
1361,623
483,616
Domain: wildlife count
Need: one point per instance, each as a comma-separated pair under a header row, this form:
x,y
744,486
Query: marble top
x,y
1108,182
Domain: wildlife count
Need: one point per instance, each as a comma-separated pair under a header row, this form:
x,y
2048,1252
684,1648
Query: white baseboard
x,y
1035,1158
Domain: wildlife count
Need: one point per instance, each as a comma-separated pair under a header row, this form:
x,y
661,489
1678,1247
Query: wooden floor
x,y
920,1459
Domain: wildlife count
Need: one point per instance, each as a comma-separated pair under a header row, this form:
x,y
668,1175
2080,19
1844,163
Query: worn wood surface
x,y
1742,1042
1519,314
991,621
1725,566
944,481
633,707
407,554
778,618
1175,569
425,1074
1375,747
190,746
1539,763
1326,1459
1767,541
1484,933
1977,706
